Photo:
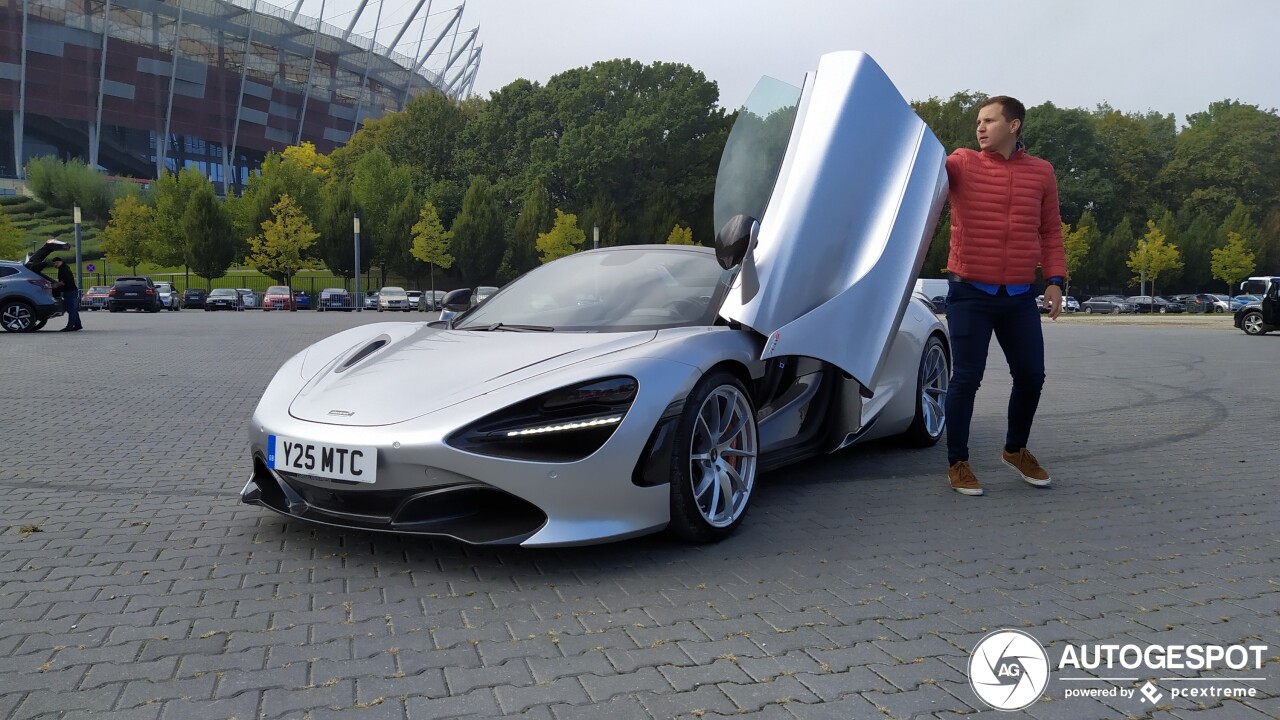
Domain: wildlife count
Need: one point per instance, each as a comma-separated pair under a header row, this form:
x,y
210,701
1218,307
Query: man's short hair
x,y
1011,108
57,259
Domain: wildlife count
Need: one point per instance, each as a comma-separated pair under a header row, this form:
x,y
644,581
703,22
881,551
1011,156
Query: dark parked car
x,y
1263,316
95,298
194,297
26,294
334,299
1113,304
301,300
224,299
1203,303
1157,304
133,293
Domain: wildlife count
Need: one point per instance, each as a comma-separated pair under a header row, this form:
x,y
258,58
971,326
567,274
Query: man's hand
x,y
1053,301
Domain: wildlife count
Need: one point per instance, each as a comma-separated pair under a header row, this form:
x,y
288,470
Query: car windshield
x,y
222,293
626,288
753,154
391,291
277,290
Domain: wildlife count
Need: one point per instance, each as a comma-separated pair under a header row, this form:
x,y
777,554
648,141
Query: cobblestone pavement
x,y
133,584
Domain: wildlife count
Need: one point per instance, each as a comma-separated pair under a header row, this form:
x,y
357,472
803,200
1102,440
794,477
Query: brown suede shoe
x,y
963,480
1028,467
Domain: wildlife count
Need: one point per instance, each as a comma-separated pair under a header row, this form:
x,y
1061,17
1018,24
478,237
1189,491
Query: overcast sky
x,y
1166,55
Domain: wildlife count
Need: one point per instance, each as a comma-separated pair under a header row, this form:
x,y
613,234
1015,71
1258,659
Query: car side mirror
x,y
735,240
457,300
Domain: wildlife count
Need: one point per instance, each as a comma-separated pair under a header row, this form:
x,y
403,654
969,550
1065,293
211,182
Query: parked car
x,y
95,298
1240,301
1156,304
659,405
133,293
1204,303
436,299
1223,302
1114,304
482,293
371,301
169,298
334,299
301,300
277,297
1263,316
393,298
939,303
249,298
224,299
26,294
194,297
416,300
1069,304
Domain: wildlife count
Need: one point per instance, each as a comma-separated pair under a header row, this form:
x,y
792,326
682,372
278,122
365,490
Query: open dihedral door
x,y
847,224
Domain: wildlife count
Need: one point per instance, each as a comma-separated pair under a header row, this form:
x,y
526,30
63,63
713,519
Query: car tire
x,y
39,324
1088,310
1164,311
700,470
1115,311
1252,324
932,380
17,316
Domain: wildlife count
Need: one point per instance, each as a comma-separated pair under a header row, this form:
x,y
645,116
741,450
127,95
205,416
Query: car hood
x,y
392,372
847,224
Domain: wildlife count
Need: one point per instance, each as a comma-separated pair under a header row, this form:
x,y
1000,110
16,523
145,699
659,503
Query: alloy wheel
x,y
16,317
1252,323
933,389
722,456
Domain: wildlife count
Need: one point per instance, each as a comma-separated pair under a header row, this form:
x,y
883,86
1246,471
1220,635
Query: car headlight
x,y
563,425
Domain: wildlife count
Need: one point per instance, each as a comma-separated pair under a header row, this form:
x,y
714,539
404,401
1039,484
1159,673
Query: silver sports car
x,y
621,391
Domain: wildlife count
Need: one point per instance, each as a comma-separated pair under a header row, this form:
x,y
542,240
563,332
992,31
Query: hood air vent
x,y
363,353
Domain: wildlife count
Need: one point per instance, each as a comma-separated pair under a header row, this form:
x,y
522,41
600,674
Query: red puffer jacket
x,y
1004,218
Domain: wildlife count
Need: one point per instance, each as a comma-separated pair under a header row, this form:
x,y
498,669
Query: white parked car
x,y
169,298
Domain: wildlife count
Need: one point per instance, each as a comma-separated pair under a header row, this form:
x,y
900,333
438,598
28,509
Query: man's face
x,y
994,132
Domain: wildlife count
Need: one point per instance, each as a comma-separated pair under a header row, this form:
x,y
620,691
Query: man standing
x,y
70,295
1004,223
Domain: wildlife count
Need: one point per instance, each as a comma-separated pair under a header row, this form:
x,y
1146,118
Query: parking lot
x,y
133,583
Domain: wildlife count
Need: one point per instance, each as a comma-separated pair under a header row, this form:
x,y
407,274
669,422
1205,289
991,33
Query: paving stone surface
x,y
133,583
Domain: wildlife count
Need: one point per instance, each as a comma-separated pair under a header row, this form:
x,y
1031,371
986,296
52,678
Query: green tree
x,y
382,192
478,242
1112,253
1068,139
1240,221
11,245
298,173
1136,148
1075,245
1199,237
1153,257
172,192
1226,155
280,250
431,242
207,225
565,238
535,218
64,185
1232,262
680,236
336,244
130,236
954,120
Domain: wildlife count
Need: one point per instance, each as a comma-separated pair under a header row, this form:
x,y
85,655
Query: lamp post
x,y
79,265
359,302
595,236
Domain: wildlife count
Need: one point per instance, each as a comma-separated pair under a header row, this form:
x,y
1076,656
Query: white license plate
x,y
354,463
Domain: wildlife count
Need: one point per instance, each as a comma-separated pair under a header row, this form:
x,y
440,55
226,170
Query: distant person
x,y
66,285
1004,223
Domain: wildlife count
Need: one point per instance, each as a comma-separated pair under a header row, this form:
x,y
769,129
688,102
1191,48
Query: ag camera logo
x,y
1008,670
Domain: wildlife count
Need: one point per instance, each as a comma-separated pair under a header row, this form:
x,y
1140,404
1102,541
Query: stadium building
x,y
136,86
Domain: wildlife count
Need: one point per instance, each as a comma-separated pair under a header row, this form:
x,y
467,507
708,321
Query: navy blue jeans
x,y
71,304
972,316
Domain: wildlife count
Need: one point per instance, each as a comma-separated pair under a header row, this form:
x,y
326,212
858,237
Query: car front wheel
x,y
17,317
1252,324
713,467
931,396
1088,310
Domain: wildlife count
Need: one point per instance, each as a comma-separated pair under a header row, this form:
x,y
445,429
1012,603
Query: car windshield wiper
x,y
510,328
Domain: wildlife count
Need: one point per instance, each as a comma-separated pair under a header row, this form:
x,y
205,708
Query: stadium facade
x,y
137,86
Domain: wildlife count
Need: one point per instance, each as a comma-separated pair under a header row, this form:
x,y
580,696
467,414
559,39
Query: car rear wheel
x,y
1088,310
1252,324
1115,311
17,316
713,467
931,396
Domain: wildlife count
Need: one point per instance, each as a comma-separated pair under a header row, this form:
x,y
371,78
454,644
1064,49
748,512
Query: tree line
x,y
486,189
